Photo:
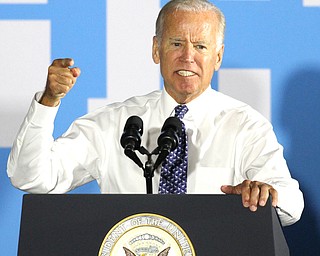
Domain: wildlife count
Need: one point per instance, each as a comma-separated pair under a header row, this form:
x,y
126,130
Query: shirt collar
x,y
167,104
198,107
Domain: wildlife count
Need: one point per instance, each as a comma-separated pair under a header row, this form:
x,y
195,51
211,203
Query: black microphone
x,y
131,138
169,138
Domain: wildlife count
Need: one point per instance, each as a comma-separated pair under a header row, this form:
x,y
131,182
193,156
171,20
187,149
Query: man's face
x,y
188,53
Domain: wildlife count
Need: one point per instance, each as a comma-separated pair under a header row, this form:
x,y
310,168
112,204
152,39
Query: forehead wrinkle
x,y
177,39
192,28
187,32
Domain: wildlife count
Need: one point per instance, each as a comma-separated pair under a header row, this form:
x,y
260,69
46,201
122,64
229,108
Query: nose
x,y
187,53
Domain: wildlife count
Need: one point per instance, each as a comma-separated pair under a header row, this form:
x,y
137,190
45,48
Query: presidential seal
x,y
146,234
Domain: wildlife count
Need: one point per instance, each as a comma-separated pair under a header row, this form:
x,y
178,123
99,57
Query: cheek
x,y
209,65
167,62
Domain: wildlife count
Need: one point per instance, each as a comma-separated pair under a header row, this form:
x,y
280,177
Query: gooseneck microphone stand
x,y
167,141
149,167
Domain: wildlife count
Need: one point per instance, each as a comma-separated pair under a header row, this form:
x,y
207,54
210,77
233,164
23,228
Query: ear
x,y
155,50
219,58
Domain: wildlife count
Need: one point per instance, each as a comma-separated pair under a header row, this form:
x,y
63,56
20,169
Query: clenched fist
x,y
61,78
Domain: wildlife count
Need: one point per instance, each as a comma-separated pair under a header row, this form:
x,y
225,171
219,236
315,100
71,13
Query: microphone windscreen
x,y
173,123
134,121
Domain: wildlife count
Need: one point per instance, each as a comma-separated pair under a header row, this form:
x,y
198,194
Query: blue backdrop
x,y
281,36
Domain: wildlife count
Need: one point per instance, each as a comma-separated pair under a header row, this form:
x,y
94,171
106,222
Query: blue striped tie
x,y
173,178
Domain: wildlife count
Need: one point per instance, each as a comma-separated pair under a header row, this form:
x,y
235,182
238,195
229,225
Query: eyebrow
x,y
176,39
182,40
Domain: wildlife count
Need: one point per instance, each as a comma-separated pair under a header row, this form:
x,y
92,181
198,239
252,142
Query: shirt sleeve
x,y
263,160
34,165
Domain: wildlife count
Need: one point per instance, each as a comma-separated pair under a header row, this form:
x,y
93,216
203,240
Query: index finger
x,y
63,63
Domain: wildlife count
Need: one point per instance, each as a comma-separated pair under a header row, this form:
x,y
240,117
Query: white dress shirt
x,y
228,142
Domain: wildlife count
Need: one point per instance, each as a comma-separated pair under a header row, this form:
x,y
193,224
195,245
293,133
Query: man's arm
x,y
262,172
30,160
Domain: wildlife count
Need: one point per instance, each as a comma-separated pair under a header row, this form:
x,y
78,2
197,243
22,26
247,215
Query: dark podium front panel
x,y
215,224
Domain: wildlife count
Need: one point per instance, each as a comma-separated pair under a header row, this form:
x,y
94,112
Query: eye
x,y
176,44
201,47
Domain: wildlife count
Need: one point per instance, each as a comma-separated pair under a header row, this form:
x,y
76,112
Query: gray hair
x,y
192,6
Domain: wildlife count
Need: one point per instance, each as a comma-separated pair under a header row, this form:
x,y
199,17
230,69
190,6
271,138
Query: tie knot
x,y
180,111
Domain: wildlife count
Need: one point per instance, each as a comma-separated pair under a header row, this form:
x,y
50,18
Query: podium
x,y
78,224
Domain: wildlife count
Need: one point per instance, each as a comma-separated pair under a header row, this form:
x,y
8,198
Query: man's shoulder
x,y
135,104
142,99
229,106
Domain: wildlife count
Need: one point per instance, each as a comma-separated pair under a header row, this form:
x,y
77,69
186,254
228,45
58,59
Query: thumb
x,y
63,63
228,189
67,62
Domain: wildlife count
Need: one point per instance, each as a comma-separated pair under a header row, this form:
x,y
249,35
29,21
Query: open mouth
x,y
185,73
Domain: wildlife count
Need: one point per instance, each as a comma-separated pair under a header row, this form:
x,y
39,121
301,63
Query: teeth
x,y
185,73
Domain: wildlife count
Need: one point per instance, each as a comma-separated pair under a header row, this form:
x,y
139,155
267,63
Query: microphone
x,y
131,138
169,138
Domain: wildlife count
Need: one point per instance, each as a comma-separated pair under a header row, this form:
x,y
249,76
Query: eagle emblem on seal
x,y
165,252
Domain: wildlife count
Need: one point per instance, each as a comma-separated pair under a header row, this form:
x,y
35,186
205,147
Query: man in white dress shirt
x,y
232,148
